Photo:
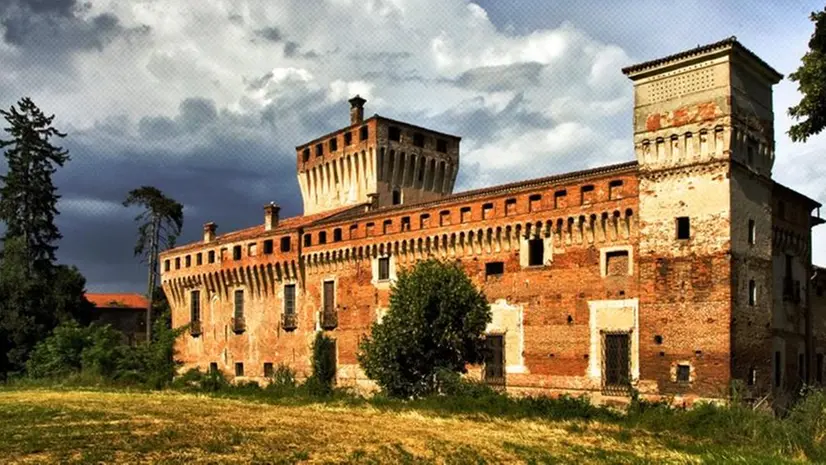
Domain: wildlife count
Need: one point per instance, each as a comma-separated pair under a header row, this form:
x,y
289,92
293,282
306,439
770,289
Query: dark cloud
x,y
501,78
50,30
269,33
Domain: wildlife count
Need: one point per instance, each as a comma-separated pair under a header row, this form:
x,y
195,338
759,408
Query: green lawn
x,y
85,426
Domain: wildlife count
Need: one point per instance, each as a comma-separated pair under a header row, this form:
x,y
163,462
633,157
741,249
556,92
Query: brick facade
x,y
666,274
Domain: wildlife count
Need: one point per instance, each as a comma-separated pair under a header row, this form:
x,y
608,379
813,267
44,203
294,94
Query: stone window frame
x,y
692,372
192,300
391,270
603,258
294,283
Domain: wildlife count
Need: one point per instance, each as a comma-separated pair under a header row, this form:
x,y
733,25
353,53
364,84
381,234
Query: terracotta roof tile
x,y
118,300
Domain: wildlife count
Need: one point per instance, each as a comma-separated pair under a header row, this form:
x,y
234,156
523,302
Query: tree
x,y
811,79
35,294
436,322
28,198
160,225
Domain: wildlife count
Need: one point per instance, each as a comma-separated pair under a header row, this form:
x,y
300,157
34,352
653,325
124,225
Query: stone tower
x,y
704,140
378,161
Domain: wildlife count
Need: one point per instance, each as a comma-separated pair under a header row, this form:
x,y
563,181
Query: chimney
x,y
374,202
356,110
209,232
271,216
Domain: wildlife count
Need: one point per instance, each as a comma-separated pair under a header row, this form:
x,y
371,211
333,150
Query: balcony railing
x,y
328,319
238,324
195,328
289,321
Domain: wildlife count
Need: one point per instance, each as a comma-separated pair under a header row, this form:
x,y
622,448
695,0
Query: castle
x,y
675,274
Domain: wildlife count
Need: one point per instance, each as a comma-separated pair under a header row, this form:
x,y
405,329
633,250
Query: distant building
x,y
676,273
124,312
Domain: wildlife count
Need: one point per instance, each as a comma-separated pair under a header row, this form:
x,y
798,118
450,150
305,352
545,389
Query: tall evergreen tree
x,y
160,225
28,198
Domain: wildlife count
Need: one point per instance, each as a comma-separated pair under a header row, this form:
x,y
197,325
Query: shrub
x,y
436,322
320,383
806,425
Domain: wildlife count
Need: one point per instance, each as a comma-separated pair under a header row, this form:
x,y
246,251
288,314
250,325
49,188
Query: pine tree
x,y
28,198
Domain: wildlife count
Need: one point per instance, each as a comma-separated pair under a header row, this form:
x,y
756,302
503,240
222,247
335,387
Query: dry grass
x,y
46,426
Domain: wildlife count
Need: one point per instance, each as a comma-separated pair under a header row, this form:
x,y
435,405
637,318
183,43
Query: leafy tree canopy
x,y
436,322
811,80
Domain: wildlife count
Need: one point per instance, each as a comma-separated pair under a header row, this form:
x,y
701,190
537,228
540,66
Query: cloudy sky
x,y
207,102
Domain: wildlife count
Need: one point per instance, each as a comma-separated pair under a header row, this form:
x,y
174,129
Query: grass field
x,y
87,426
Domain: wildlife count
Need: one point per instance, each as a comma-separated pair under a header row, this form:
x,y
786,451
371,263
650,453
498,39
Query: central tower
x,y
378,161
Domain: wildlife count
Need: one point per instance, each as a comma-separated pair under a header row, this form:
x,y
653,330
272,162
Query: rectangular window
x,y
211,256
778,373
195,306
236,252
252,249
308,240
188,261
289,299
405,223
683,228
752,292
337,235
616,263
285,244
322,237
487,211
510,207
683,373
561,199
354,231
751,232
239,304
536,252
319,149
363,133
223,254
370,228
418,140
752,377
166,265
441,146
177,263
199,259
534,202
329,296
386,226
268,371
444,217
588,194
394,134
305,155
494,268
268,249
333,144
384,268
239,369
213,367
424,221
348,138
615,189
464,214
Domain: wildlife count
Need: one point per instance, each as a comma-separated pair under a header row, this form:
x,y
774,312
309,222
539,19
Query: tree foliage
x,y
436,322
324,366
35,294
160,224
28,198
811,80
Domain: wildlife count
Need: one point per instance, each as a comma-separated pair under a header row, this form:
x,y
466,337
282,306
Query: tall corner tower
x,y
378,161
704,140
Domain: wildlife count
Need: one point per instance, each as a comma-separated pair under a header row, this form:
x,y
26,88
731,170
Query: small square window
x,y
510,207
560,199
464,214
394,134
534,202
441,146
239,369
683,373
384,268
348,138
252,249
285,244
418,140
587,194
405,223
683,228
308,240
494,269
268,371
424,221
386,226
615,189
337,235
268,249
487,211
322,237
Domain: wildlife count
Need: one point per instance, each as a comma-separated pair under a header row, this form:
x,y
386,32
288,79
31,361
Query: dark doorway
x,y
616,363
494,372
